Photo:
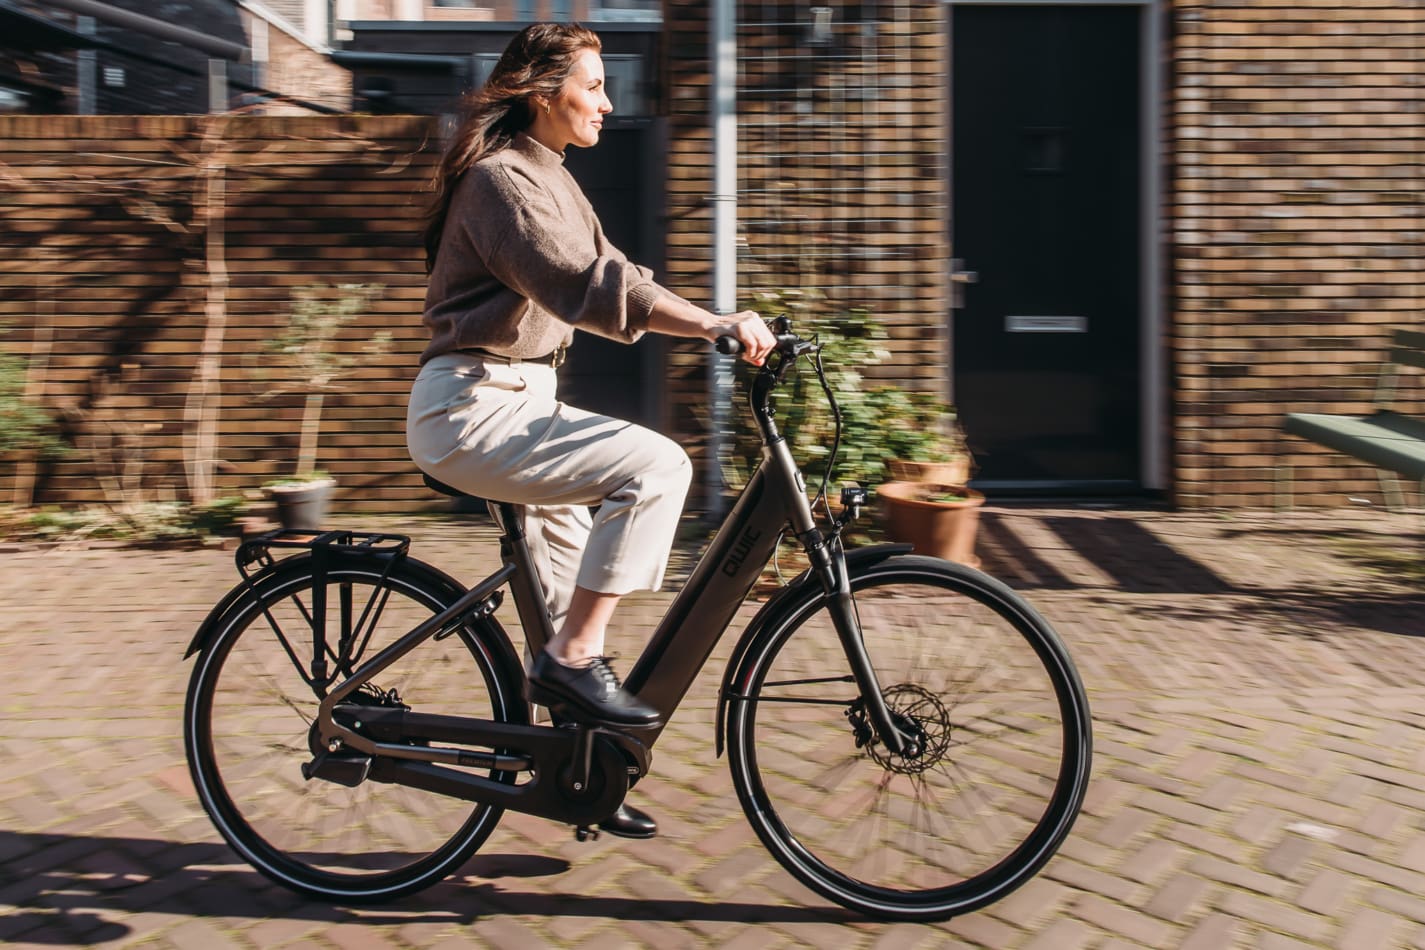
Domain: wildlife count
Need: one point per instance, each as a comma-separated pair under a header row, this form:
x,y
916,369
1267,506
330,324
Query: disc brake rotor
x,y
919,713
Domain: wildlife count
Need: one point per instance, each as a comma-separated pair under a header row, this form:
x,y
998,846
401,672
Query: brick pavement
x,y
1255,679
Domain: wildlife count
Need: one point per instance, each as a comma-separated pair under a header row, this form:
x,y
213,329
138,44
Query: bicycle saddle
x,y
435,484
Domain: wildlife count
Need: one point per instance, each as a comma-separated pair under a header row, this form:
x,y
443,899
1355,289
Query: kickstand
x,y
578,775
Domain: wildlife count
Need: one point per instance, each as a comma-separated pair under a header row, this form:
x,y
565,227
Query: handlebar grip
x,y
728,345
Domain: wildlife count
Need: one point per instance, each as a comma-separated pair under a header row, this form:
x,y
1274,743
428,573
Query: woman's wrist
x,y
674,316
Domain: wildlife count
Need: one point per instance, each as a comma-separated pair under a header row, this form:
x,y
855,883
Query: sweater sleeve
x,y
557,261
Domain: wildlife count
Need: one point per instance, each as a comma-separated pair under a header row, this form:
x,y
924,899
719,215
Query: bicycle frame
x,y
773,500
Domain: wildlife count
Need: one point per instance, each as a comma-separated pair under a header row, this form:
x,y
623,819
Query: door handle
x,y
958,279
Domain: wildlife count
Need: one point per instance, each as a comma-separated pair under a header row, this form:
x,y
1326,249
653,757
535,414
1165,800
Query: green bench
x,y
1392,442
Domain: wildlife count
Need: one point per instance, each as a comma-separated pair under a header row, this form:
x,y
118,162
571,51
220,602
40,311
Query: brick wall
x,y
296,69
841,150
106,284
1296,209
1297,216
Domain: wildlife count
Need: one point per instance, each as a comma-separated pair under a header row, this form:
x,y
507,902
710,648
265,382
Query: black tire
x,y
1006,730
248,716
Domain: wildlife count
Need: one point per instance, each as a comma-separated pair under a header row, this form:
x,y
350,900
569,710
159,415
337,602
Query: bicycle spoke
x,y
924,833
250,719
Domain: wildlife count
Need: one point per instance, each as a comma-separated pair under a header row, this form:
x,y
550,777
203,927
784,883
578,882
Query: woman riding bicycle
x,y
517,261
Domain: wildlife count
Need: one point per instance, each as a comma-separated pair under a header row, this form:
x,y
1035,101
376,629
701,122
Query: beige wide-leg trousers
x,y
497,430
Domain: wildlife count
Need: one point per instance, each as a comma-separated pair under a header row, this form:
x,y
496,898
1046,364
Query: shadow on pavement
x,y
1126,553
1138,561
62,884
1305,612
1380,586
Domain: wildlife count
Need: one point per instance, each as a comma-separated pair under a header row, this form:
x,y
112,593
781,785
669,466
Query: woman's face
x,y
576,115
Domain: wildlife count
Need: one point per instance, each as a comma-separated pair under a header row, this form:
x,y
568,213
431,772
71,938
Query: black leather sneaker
x,y
629,822
587,693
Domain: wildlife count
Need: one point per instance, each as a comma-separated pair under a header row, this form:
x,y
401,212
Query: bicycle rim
x,y
999,710
248,726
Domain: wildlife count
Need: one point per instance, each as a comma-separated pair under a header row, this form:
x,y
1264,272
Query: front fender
x,y
802,588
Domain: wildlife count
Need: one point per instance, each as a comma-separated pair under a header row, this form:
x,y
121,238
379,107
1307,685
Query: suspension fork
x,y
828,561
828,558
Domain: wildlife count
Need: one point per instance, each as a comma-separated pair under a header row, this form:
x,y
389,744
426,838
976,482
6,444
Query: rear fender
x,y
231,598
450,588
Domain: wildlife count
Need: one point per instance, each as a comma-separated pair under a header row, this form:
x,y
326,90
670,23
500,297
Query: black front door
x,y
1046,214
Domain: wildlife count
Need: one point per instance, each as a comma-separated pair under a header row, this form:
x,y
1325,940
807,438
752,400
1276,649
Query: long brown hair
x,y
536,63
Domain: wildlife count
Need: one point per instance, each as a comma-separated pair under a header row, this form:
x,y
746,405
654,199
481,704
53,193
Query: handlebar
x,y
788,343
789,349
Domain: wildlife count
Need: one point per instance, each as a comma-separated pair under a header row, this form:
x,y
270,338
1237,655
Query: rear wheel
x,y
251,703
988,690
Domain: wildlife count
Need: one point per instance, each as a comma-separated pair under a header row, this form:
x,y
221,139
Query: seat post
x,y
530,600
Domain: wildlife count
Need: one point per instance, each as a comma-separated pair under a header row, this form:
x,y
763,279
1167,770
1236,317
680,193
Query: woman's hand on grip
x,y
751,333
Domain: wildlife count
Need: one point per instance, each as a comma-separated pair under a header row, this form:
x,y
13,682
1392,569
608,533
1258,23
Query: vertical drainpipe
x,y
723,117
217,85
88,71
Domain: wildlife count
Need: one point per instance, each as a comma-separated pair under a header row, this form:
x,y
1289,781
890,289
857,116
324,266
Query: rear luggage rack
x,y
321,543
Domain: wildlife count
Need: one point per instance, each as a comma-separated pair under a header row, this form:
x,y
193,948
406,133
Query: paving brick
x,y
1226,872
1402,878
1326,892
1035,902
1371,929
1153,862
204,933
1214,932
1179,898
1083,878
1274,941
1276,916
1177,845
1064,934
735,874
983,930
1289,857
1123,827
1407,906
1126,922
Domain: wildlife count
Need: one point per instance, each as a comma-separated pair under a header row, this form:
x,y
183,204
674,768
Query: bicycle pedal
x,y
350,771
585,833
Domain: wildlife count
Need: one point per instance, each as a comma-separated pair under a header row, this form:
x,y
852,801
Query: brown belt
x,y
554,358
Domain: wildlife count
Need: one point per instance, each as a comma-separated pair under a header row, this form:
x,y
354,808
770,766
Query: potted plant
x,y
907,446
937,519
304,358
853,340
927,502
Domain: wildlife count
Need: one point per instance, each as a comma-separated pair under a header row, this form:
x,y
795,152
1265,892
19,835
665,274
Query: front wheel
x,y
988,690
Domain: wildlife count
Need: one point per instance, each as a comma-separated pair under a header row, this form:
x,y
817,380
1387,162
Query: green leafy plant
x,y
315,475
25,428
143,522
304,357
877,422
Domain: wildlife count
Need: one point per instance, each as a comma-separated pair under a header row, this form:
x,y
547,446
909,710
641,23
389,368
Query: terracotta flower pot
x,y
954,472
944,529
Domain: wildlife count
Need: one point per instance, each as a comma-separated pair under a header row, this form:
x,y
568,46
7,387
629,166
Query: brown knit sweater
x,y
523,260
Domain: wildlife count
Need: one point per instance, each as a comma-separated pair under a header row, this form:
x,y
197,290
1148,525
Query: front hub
x,y
924,719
